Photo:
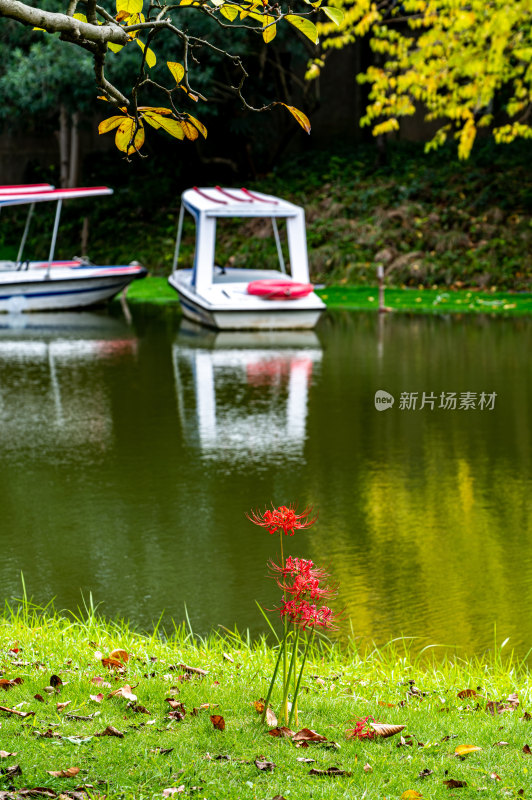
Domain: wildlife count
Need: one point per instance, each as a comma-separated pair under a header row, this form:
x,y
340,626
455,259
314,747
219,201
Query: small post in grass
x,y
380,280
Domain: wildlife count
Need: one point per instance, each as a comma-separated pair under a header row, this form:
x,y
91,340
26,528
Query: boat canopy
x,y
208,204
44,193
27,196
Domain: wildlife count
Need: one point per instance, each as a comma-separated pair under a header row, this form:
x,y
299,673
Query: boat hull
x,y
260,315
62,288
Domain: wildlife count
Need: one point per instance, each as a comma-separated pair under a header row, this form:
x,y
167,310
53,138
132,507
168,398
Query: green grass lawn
x,y
156,290
143,728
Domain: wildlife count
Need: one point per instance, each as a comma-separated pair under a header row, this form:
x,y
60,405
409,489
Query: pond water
x,y
131,453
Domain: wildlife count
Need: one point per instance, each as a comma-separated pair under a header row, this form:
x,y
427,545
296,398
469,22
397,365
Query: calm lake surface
x,y
130,455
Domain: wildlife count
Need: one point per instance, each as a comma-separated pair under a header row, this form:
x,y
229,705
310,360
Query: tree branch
x,y
54,22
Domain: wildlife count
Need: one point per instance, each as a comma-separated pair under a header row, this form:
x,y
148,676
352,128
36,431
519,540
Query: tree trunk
x,y
73,174
63,146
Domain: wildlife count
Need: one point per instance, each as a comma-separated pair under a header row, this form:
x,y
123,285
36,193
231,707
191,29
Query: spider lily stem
x,y
296,692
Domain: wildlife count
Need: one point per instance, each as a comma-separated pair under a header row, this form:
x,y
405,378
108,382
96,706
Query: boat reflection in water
x,y
244,395
48,395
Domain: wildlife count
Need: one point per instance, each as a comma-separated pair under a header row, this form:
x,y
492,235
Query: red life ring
x,y
279,289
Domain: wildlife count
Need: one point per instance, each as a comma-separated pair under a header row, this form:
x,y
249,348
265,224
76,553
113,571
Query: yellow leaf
x,y
299,116
110,123
165,111
465,749
129,6
305,26
189,94
411,794
199,125
269,29
190,131
176,69
123,138
151,59
171,126
81,17
229,12
114,48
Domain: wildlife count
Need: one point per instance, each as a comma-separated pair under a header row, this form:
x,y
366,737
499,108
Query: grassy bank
x,y
143,725
154,290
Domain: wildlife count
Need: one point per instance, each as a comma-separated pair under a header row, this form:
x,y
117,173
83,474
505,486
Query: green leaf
x,y
334,14
305,26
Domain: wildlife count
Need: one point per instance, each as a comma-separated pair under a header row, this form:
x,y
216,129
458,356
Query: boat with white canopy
x,y
52,285
232,298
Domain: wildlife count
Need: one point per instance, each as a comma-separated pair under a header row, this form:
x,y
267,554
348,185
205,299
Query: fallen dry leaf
x,y
228,658
425,773
56,682
466,693
97,698
259,706
218,722
203,707
173,790
308,735
162,751
10,772
500,744
464,749
411,794
38,697
61,706
5,754
64,773
111,731
8,684
281,732
381,729
99,681
306,760
137,708
527,750
113,663
271,719
495,777
367,767
264,766
194,670
454,784
126,692
119,655
331,772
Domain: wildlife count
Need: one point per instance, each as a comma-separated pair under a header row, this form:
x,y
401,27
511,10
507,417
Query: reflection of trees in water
x,y
429,510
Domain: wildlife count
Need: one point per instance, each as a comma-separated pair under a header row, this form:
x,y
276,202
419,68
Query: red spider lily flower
x,y
362,729
295,567
307,615
284,518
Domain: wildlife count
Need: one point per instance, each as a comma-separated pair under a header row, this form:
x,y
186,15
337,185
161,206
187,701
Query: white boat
x,y
233,298
270,372
52,285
